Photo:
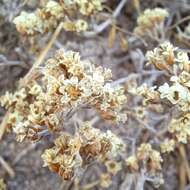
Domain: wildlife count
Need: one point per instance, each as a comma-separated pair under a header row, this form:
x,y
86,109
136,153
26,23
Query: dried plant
x,y
151,24
176,64
71,153
47,18
136,129
44,106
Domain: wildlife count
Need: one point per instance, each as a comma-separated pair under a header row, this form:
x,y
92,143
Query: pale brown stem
x,y
7,167
185,160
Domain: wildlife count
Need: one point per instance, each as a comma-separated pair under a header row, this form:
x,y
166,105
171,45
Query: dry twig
x,y
100,28
185,160
7,167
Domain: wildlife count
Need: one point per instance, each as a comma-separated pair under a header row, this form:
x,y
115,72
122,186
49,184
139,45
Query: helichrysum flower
x,y
132,162
163,56
146,154
87,7
48,17
105,180
72,152
180,128
143,152
76,82
63,157
176,93
169,58
149,19
28,23
53,8
113,167
176,90
167,146
67,83
77,26
40,21
149,93
140,112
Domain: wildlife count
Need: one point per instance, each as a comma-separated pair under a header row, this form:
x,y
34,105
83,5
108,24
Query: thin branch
x,y
23,153
136,75
100,28
42,56
179,22
7,167
186,162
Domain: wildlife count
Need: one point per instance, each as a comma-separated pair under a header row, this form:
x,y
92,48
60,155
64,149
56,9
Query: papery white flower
x,y
167,146
28,23
174,93
118,146
20,129
182,57
53,8
65,99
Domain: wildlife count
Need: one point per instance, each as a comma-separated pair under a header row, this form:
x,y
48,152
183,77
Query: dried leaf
x,y
111,36
123,42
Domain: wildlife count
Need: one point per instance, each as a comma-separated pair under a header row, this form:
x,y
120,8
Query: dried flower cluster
x,y
150,158
65,101
167,146
40,21
112,166
150,22
88,7
73,152
48,17
105,180
175,95
26,111
176,64
67,84
72,82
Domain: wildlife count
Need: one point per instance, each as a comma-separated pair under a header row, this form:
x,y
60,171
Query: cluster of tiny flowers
x,y
26,111
150,158
67,84
41,21
149,20
176,63
70,153
87,7
181,128
169,58
162,57
149,93
167,146
72,82
77,26
149,161
48,17
105,180
113,167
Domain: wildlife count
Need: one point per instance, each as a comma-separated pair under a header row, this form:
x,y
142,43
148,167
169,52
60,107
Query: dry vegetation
x,y
95,94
